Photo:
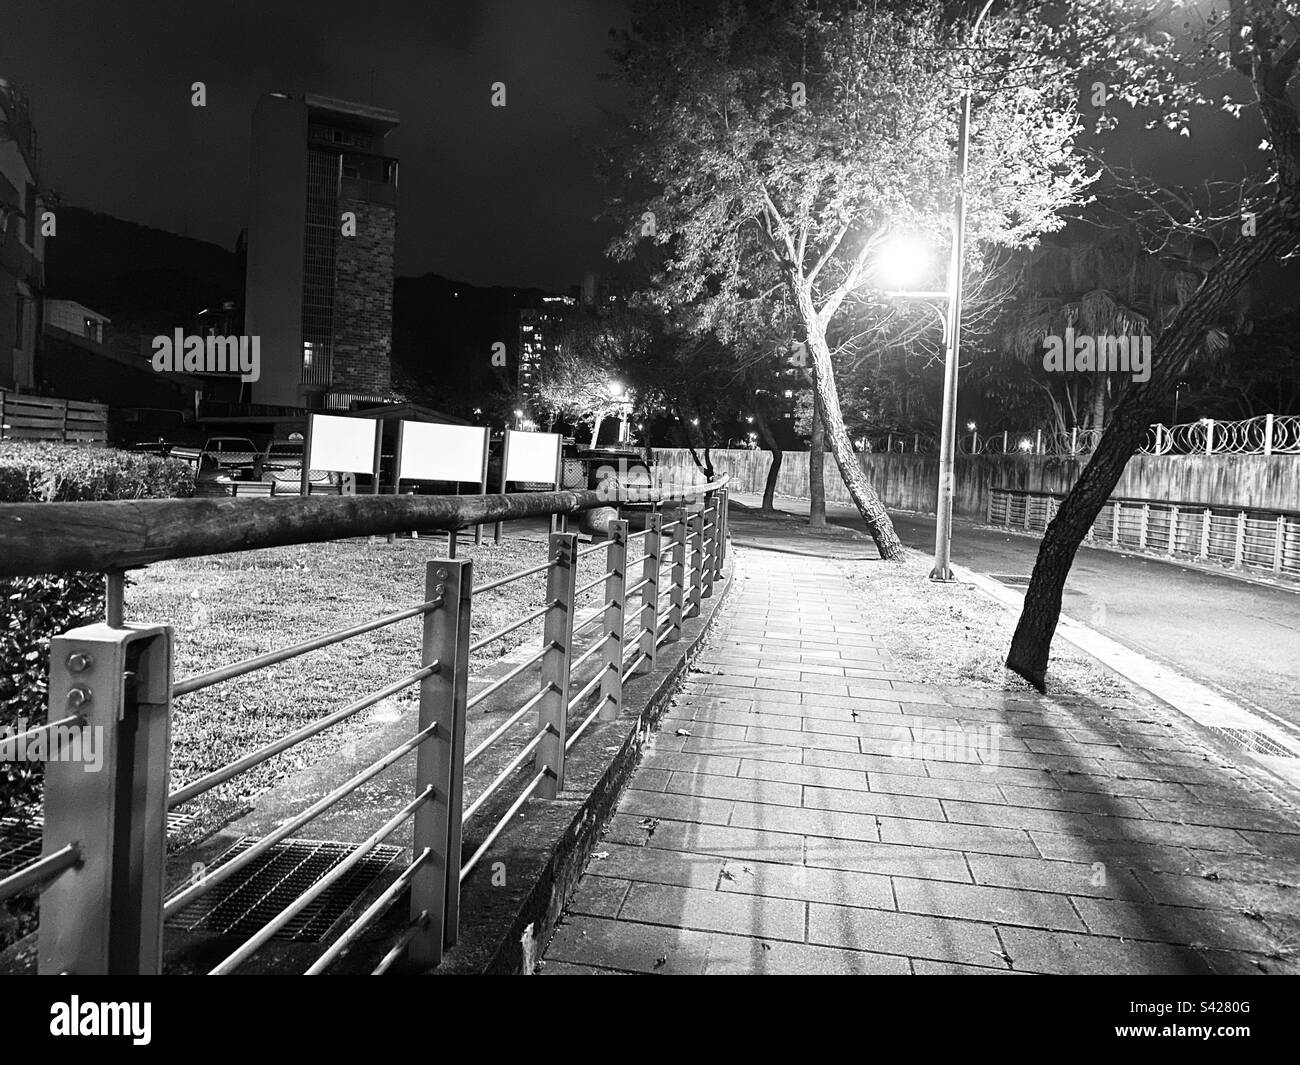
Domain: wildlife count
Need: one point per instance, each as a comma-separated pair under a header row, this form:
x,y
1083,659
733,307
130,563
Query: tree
x,y
1168,75
584,382
783,143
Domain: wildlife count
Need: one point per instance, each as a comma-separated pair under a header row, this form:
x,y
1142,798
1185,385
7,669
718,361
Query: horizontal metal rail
x,y
500,581
632,668
9,744
38,872
249,665
399,948
502,681
638,586
599,545
573,736
592,583
240,765
586,689
478,645
263,935
593,649
223,872
590,619
468,867
506,726
350,934
637,561
504,775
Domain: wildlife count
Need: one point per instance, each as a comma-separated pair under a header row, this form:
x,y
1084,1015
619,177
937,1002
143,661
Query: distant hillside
x,y
130,271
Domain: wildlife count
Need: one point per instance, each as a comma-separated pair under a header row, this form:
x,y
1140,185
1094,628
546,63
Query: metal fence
x,y
104,899
1259,540
1268,434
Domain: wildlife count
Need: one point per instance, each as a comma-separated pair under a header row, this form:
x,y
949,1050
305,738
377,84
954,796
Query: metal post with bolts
x,y
104,916
435,887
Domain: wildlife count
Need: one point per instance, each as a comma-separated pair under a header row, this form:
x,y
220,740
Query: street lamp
x,y
942,570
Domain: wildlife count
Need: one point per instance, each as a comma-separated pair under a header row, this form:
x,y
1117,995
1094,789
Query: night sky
x,y
487,195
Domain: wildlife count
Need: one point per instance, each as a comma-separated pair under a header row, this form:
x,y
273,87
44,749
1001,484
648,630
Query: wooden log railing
x,y
57,537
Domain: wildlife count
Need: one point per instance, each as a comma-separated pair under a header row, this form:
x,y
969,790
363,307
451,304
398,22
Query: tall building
x,y
541,329
22,244
321,235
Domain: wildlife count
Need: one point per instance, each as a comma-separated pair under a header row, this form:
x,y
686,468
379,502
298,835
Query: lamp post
x,y
942,570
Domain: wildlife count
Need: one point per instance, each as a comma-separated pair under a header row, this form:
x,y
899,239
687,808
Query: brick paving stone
x,y
655,865
732,955
744,789
715,911
1034,950
808,883
1001,906
823,812
937,938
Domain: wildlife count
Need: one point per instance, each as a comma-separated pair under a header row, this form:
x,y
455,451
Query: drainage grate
x,y
247,901
20,838
1258,742
1011,578
20,842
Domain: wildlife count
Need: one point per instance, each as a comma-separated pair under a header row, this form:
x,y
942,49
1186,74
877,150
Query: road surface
x,y
1238,637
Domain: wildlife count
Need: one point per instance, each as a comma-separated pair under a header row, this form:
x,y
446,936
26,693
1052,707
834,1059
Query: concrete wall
x,y
909,482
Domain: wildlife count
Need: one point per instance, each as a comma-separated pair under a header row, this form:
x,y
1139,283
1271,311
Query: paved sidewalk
x,y
807,810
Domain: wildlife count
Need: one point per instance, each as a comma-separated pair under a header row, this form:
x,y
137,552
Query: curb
x,y
1195,701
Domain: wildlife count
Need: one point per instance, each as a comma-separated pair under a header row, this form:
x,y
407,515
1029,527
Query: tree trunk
x,y
774,470
864,496
817,467
1278,233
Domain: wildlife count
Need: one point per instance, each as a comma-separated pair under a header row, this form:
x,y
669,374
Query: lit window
x,y
307,354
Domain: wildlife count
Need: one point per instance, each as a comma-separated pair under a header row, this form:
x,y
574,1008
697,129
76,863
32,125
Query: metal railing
x,y
1267,434
1266,541
104,899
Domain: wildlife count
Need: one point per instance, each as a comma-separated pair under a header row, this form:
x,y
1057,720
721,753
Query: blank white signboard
x,y
344,445
433,452
532,456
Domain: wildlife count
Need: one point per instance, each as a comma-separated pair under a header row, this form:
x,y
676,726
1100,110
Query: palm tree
x,y
1108,285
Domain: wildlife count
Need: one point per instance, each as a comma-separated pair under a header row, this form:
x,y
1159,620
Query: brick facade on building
x,y
363,307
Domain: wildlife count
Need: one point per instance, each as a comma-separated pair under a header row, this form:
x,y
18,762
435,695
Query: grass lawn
x,y
954,634
226,608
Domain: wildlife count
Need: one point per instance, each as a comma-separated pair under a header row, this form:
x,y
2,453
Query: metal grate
x,y
1259,742
251,898
20,838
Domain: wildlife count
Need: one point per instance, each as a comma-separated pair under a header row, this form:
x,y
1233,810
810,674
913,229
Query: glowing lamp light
x,y
903,262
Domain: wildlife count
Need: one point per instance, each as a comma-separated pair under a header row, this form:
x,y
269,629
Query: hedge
x,y
33,609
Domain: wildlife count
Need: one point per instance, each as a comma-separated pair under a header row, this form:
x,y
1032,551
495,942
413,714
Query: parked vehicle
x,y
279,457
231,456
